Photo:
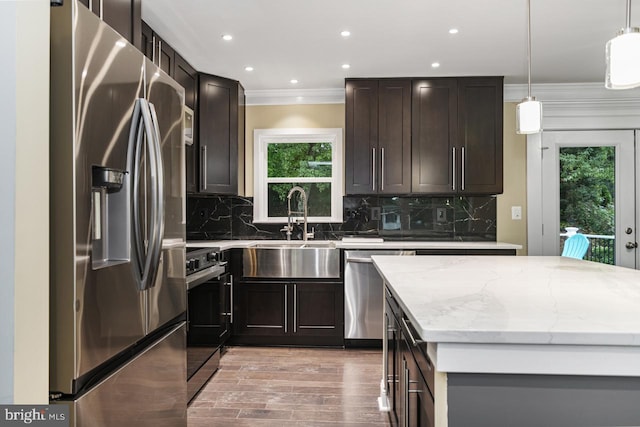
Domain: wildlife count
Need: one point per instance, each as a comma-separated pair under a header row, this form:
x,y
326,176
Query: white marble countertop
x,y
545,315
343,244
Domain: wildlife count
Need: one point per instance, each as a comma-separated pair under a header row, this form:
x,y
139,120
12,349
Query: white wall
x,y
24,192
7,195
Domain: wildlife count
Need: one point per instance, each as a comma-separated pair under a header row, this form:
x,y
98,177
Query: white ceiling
x,y
285,39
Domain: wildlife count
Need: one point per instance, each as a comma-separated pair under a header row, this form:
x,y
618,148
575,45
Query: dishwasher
x,y
364,297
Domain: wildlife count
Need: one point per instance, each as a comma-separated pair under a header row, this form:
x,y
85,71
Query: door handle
x,y
631,245
382,169
453,169
203,168
295,308
373,169
285,308
464,167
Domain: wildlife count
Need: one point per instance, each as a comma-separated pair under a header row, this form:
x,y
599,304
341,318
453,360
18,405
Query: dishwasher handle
x,y
368,260
361,260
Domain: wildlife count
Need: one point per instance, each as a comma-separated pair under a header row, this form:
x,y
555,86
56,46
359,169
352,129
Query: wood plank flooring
x,y
272,386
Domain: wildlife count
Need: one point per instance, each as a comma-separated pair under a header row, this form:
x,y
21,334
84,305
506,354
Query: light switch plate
x,y
516,212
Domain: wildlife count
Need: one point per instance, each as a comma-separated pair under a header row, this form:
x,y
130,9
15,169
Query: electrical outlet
x,y
375,214
441,214
516,212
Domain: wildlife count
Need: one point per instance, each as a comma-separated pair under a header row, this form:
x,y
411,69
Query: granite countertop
x,y
361,244
530,315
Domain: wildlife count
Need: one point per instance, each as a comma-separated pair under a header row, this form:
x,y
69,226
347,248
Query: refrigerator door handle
x,y
144,257
134,162
158,226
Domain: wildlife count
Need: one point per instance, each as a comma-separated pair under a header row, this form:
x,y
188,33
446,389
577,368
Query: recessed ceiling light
x,y
248,68
299,98
435,64
453,31
346,66
294,81
345,33
227,37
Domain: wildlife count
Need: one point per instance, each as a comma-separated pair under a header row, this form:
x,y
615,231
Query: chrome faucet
x,y
289,227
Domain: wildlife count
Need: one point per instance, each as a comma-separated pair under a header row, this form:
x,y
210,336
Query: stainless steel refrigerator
x,y
118,291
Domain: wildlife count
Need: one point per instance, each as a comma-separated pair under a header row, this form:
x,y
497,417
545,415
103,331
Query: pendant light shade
x,y
529,116
623,60
529,111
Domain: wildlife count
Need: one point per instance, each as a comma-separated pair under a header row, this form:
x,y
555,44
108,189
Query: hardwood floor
x,y
272,386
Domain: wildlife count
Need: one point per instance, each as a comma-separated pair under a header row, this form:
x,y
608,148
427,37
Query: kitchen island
x,y
524,341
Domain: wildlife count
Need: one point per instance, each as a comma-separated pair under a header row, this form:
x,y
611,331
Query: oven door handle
x,y
202,276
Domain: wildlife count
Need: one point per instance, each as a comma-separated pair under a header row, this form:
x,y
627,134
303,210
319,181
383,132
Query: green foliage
x,y
587,189
299,160
294,160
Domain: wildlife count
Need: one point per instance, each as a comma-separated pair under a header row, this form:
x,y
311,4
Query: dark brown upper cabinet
x,y
157,50
378,136
219,133
457,135
124,16
187,77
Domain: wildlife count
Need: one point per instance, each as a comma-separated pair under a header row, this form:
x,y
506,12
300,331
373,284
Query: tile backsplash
x,y
394,218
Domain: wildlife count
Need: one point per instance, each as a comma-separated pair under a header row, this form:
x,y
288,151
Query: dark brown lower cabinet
x,y
410,373
288,313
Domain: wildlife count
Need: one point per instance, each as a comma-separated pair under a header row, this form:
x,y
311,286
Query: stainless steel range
x,y
209,314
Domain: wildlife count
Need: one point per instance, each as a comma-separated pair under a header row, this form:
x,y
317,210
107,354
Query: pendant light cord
x,y
529,40
628,14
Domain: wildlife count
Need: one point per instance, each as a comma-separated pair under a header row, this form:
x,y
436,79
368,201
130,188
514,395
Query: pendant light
x,y
529,111
623,57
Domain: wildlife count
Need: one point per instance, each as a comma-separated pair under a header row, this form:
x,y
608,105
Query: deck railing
x,y
602,248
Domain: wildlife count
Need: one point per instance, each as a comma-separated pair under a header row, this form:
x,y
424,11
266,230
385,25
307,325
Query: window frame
x,y
263,137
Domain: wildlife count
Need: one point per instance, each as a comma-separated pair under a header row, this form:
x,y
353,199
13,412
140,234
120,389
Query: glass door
x,y
588,187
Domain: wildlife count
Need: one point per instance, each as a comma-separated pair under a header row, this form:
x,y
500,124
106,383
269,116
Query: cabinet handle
x,y
295,308
203,168
453,168
382,169
153,48
464,167
414,342
405,390
231,297
160,54
101,9
373,169
285,308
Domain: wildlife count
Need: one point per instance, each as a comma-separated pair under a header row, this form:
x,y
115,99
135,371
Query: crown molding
x,y
547,92
570,92
294,96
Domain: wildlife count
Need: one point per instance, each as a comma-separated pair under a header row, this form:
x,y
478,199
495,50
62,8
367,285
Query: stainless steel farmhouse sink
x,y
288,259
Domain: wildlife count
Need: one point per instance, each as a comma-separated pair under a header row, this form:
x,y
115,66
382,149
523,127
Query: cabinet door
x,y
218,134
147,42
480,131
166,58
394,136
226,285
187,77
260,309
392,364
318,309
361,139
434,136
121,15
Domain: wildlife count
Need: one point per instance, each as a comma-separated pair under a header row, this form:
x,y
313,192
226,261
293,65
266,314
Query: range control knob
x,y
212,256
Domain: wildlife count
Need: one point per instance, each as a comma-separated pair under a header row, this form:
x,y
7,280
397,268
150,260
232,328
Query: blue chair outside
x,y
576,246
